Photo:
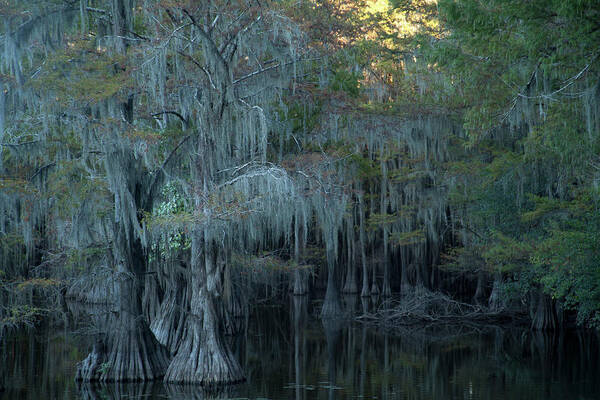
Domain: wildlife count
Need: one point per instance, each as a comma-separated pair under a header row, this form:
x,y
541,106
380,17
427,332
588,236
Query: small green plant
x,y
104,368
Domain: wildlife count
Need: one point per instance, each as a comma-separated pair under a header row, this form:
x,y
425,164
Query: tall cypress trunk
x,y
152,299
495,301
479,291
350,285
203,356
332,307
363,256
130,352
300,277
374,286
233,309
168,324
350,282
544,315
300,283
405,286
386,290
421,273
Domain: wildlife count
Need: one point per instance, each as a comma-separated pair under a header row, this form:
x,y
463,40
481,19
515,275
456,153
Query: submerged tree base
x,y
332,305
132,354
203,356
203,359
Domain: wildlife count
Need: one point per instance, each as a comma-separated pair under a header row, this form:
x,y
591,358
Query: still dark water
x,y
288,353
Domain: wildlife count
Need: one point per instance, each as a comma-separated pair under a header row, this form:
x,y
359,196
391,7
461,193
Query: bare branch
x,y
208,41
97,10
39,170
19,144
263,70
202,68
185,121
160,170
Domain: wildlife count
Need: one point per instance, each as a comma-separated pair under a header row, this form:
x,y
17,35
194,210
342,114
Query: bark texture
x,y
300,275
130,351
300,282
203,356
133,354
332,307
350,285
480,291
365,292
168,325
495,301
544,316
405,286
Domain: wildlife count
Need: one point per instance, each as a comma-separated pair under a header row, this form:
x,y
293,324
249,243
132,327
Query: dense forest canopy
x,y
179,158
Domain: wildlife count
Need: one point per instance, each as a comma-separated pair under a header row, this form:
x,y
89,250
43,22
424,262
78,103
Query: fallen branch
x,y
425,307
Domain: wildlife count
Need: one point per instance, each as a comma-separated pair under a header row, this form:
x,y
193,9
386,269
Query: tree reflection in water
x,y
287,351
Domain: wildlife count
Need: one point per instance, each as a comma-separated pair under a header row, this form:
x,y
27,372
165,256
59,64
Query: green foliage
x,y
408,238
365,167
19,315
71,187
303,116
347,82
406,174
104,367
41,283
463,260
526,74
507,48
543,208
98,76
507,254
568,259
376,221
85,259
267,263
172,217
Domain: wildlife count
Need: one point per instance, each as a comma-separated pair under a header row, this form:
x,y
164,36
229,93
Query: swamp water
x,y
287,352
